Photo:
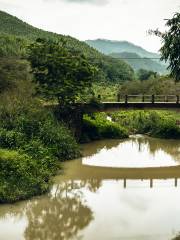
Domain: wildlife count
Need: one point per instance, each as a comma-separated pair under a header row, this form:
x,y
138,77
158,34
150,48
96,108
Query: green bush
x,y
38,141
22,176
153,122
53,135
11,139
166,128
59,140
98,127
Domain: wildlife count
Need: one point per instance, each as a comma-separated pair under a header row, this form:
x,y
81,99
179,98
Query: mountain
x,y
137,62
15,35
117,47
108,47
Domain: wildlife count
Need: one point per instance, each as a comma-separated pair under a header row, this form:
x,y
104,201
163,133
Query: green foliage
x,y
12,73
98,127
39,141
170,51
21,176
155,123
11,139
144,74
107,91
158,86
60,73
40,125
12,46
113,70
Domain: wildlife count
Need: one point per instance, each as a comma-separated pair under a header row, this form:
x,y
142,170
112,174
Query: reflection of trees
x,y
171,147
92,184
92,148
60,216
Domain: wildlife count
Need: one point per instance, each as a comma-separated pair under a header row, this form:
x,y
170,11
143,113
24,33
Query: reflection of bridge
x,y
78,171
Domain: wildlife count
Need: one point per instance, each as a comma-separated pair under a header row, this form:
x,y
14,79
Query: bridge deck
x,y
111,106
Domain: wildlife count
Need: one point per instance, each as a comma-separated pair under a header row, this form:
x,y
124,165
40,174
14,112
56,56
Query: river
x,y
120,190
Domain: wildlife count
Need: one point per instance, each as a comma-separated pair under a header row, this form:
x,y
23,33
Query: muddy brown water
x,y
127,190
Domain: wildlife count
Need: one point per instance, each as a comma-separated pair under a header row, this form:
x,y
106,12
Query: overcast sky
x,y
90,19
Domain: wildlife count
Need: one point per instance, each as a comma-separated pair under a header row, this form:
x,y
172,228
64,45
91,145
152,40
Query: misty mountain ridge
x,y
125,49
114,46
137,62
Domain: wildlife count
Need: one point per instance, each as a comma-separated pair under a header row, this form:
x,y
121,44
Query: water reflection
x,y
169,146
91,202
136,152
60,216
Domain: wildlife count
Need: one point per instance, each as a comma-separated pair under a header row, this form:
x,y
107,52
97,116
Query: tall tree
x,y
170,50
61,73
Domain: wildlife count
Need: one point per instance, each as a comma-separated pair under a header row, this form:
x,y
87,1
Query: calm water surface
x,y
127,190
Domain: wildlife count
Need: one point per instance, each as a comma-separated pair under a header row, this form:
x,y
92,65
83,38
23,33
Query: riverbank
x,y
84,195
32,144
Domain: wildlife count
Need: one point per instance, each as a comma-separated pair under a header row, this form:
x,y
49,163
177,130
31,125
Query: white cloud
x,y
96,2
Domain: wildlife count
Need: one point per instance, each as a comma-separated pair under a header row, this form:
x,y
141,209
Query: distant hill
x,y
109,46
15,35
137,62
117,47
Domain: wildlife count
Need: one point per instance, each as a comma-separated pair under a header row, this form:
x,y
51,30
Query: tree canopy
x,y
170,50
144,74
60,73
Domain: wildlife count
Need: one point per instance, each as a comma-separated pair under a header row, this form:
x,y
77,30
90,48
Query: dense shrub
x,y
11,139
54,135
22,176
32,143
153,122
97,127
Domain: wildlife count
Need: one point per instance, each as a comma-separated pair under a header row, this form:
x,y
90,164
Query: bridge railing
x,y
145,98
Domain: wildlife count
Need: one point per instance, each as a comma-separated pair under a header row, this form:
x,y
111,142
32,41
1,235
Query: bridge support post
x,y
118,97
151,183
153,99
177,99
99,97
143,98
125,183
176,182
126,99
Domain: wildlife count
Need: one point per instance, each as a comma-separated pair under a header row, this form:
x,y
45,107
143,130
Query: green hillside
x,y
109,47
137,62
15,35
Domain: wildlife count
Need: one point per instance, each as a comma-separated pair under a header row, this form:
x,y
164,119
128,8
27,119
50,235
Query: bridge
x,y
138,102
